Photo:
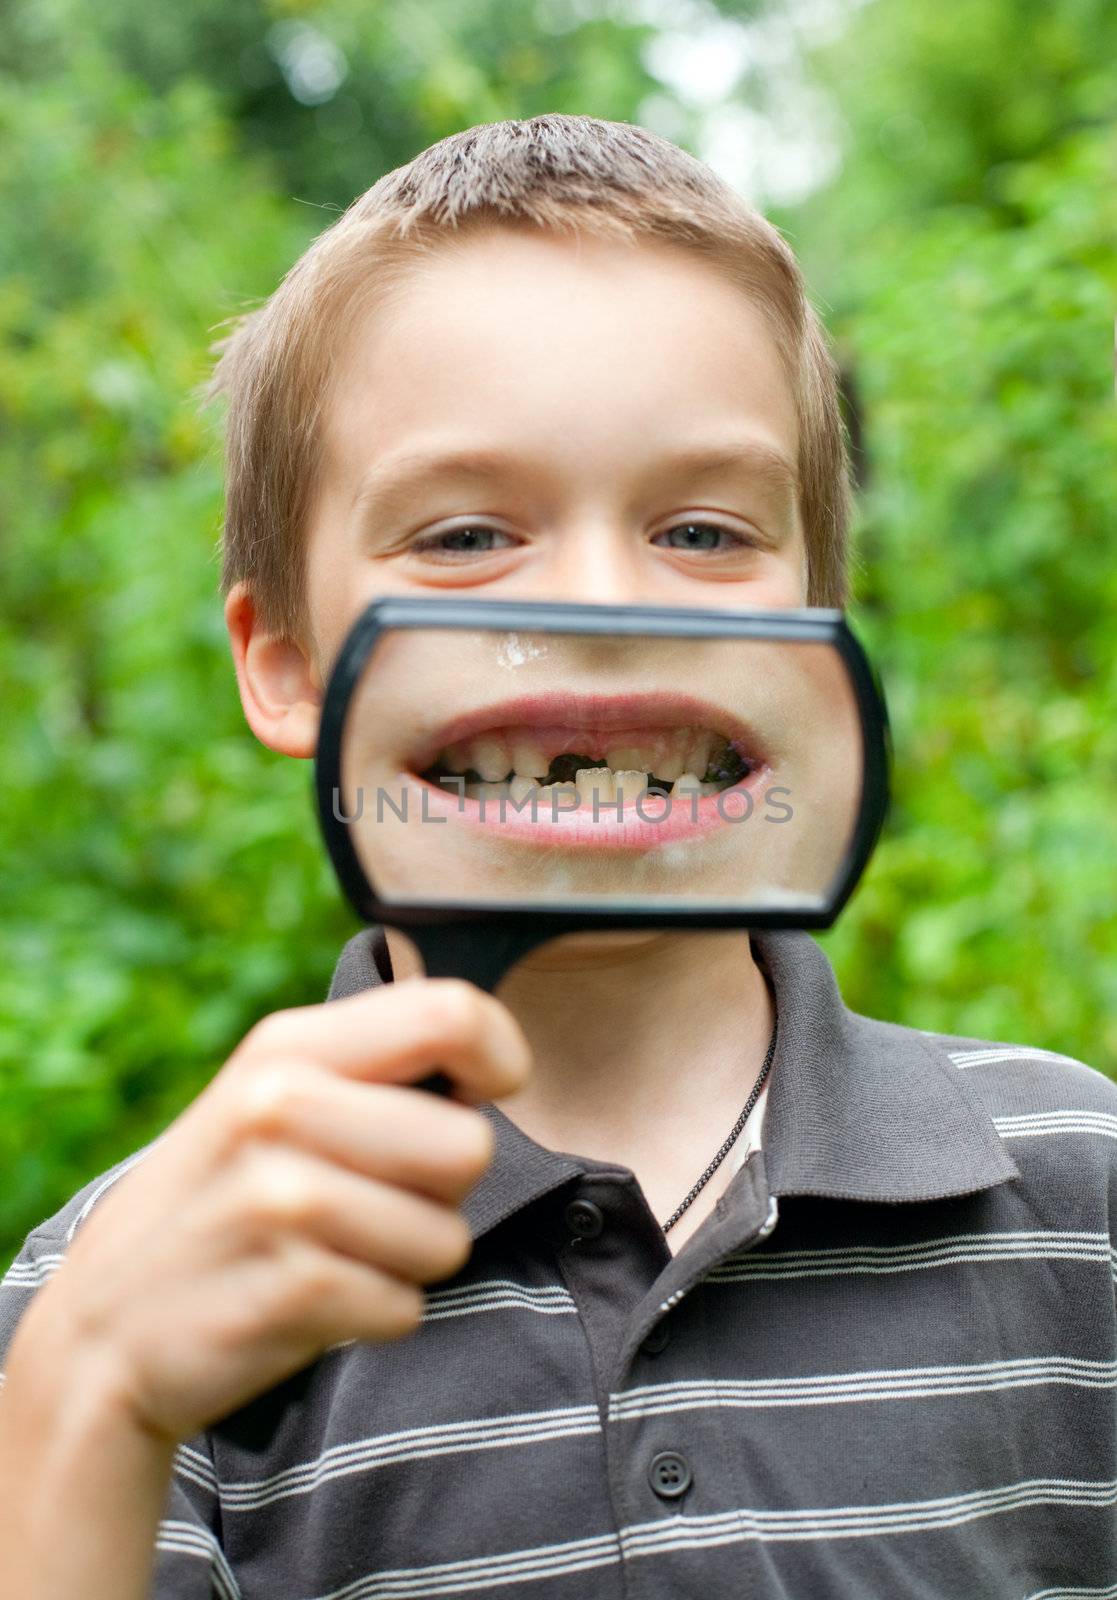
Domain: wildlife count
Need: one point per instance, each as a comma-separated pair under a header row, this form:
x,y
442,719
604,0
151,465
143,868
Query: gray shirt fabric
x,y
884,1366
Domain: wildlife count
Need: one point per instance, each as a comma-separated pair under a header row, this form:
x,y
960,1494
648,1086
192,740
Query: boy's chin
x,y
572,951
568,951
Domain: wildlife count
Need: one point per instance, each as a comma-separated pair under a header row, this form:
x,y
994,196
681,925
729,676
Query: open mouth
x,y
603,746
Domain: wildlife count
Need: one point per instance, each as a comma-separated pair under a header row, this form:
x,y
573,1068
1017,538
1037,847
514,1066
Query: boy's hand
x,y
300,1201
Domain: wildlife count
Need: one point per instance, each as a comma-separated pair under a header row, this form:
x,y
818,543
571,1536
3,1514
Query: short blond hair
x,y
556,172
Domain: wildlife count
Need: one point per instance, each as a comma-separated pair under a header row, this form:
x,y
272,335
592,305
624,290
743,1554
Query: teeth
x,y
489,758
667,757
629,784
698,750
630,759
529,761
455,757
548,791
609,786
594,780
670,756
672,763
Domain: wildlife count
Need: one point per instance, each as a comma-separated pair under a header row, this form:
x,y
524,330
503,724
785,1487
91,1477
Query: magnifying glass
x,y
492,774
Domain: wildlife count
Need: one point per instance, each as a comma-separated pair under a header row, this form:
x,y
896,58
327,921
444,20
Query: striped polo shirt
x,y
884,1366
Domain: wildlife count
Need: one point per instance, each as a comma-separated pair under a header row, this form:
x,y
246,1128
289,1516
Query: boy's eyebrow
x,y
392,483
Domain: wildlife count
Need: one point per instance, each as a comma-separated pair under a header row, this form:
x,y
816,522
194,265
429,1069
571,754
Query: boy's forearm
x,y
82,1486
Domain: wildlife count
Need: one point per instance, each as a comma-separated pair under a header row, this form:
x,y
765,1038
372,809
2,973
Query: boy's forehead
x,y
586,353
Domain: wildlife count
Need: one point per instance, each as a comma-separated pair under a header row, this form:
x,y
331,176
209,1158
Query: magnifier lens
x,y
494,767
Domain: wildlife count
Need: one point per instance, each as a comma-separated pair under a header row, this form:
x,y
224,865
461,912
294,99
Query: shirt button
x,y
584,1219
669,1474
657,1338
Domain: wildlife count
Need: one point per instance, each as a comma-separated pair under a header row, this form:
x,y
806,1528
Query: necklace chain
x,y
737,1126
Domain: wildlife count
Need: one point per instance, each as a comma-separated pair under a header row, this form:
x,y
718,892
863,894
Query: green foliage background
x,y
163,883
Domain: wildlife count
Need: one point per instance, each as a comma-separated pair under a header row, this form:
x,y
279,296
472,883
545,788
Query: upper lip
x,y
600,713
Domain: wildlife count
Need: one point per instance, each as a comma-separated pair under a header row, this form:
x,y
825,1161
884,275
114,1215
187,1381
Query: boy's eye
x,y
701,536
479,538
476,539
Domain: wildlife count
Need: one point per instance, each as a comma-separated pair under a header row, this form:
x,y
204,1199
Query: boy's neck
x,y
646,1047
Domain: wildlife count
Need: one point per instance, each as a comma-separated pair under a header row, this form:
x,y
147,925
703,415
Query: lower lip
x,y
688,816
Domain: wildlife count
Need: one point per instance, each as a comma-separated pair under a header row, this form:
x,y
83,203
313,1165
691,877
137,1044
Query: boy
x,y
875,1355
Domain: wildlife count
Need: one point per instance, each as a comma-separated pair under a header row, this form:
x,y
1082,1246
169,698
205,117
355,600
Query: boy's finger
x,y
380,1130
402,1032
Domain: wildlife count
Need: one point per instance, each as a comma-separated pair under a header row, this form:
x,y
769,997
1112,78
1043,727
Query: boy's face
x,y
578,375
539,417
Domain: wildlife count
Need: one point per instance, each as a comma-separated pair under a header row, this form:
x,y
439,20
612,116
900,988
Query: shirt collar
x,y
857,1109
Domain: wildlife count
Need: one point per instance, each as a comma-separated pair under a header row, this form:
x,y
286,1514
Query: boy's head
x,y
580,298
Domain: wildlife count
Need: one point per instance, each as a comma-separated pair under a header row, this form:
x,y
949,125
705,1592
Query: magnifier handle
x,y
454,950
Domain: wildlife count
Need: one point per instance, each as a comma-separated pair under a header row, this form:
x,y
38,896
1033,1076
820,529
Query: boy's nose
x,y
599,564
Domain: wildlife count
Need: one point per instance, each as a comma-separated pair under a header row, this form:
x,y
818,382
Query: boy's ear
x,y
280,687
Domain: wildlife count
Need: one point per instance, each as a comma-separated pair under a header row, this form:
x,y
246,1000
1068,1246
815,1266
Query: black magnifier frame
x,y
528,924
